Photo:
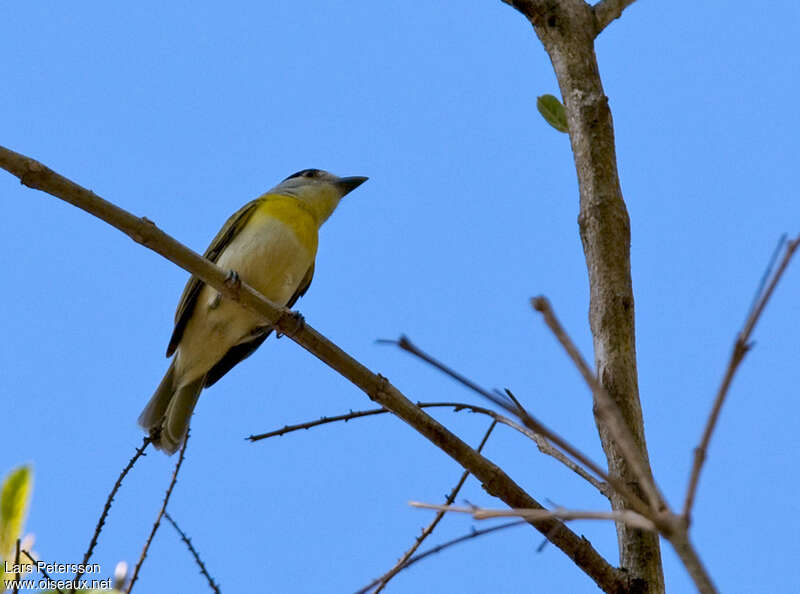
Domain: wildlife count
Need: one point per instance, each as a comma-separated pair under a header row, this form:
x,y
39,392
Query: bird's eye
x,y
311,173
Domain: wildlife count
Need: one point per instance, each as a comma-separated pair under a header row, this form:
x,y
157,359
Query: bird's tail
x,y
167,414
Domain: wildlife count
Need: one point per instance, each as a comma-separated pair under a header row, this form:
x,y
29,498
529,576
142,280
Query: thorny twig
x,y
161,512
107,507
193,551
41,569
541,442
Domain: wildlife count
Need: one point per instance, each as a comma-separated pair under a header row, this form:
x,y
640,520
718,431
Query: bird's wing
x,y
302,287
192,289
241,351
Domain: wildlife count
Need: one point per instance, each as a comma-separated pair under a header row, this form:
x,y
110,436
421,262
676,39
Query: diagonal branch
x,y
740,348
41,569
451,497
107,507
495,481
606,408
512,405
161,513
473,534
193,551
606,11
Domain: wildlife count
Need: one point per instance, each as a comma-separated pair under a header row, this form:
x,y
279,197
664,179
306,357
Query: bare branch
x,y
447,544
626,516
495,481
456,406
161,512
606,11
41,569
317,422
567,30
766,276
755,315
384,579
541,442
548,449
606,408
691,561
513,406
193,551
107,507
473,534
740,348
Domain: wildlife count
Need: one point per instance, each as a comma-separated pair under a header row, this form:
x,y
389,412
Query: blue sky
x,y
182,112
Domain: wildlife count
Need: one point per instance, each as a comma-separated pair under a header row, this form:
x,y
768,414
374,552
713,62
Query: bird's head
x,y
320,190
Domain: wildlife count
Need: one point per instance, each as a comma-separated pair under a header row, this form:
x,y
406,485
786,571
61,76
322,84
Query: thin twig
x,y
631,518
447,544
41,569
541,442
194,552
160,514
451,497
766,276
17,574
457,406
606,408
740,348
532,423
547,448
606,11
317,422
107,507
791,247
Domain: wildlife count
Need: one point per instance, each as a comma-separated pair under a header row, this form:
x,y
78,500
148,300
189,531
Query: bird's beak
x,y
348,184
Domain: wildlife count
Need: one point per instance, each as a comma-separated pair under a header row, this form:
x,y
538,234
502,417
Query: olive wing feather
x,y
192,289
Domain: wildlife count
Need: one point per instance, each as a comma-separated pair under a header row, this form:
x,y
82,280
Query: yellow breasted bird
x,y
271,243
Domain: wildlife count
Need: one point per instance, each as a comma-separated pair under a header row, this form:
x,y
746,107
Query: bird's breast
x,y
272,254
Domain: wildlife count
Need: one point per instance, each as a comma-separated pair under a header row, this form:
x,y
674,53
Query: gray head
x,y
299,182
320,190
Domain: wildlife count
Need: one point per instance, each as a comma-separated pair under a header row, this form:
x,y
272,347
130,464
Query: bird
x,y
270,244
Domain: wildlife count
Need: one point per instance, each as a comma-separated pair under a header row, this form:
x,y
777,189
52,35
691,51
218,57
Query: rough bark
x,y
567,29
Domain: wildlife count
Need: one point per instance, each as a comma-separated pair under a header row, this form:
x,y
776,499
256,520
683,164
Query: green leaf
x,y
14,498
553,112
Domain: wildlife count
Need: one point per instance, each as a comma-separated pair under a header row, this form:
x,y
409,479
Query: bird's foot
x,y
232,280
294,323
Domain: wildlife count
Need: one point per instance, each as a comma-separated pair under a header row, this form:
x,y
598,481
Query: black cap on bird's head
x,y
312,173
345,184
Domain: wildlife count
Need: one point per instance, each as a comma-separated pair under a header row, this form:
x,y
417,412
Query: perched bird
x,y
271,244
